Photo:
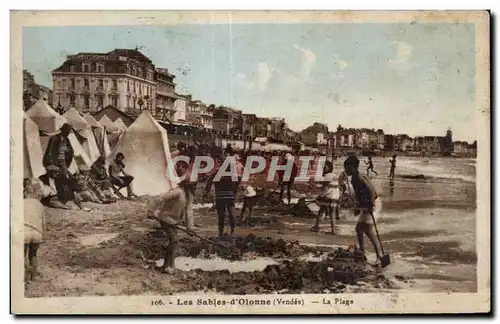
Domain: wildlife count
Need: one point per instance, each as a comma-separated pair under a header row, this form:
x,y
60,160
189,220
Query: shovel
x,y
385,259
200,237
172,223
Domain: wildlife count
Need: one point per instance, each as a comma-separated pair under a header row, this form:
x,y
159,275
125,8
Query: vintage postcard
x,y
261,162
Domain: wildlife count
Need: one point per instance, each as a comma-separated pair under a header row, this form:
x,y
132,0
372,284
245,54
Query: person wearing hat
x,y
87,190
368,203
54,190
249,200
169,210
59,151
99,176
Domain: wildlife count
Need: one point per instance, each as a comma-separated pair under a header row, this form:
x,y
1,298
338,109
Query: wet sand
x,y
428,226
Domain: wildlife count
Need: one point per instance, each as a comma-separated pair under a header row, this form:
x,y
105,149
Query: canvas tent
x,y
109,124
147,154
99,134
33,154
46,118
49,122
119,124
83,129
112,131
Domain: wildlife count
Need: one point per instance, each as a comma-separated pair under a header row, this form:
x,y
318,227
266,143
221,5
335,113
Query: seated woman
x,y
86,189
119,177
58,189
99,176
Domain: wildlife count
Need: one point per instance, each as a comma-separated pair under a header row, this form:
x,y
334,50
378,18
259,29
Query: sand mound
x,y
133,248
330,276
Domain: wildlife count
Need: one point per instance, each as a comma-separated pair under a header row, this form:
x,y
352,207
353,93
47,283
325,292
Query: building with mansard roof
x,y
122,78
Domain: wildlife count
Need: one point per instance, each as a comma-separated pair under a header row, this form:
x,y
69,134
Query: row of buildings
x,y
33,91
129,81
342,138
126,80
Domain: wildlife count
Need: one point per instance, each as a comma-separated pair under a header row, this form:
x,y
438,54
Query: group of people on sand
x,y
58,186
175,205
100,185
93,184
362,200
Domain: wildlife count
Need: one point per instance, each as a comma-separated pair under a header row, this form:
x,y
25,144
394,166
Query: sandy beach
x,y
427,225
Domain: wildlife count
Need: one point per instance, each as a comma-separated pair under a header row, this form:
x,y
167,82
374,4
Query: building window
x,y
86,67
72,68
115,84
100,101
72,100
140,89
86,102
101,84
99,67
114,101
73,84
128,86
85,83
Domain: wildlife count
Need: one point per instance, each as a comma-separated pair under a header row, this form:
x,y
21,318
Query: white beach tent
x,y
33,153
109,124
79,124
147,154
46,118
119,124
99,134
50,122
113,132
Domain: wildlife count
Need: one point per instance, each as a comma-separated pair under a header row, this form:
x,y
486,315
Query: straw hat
x,y
52,168
249,192
83,167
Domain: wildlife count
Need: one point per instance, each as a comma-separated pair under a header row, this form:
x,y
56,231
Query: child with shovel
x,y
369,205
169,209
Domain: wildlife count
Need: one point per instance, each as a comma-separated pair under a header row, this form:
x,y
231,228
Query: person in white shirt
x,y
327,200
34,225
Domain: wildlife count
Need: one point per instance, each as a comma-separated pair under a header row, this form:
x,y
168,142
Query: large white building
x,y
122,78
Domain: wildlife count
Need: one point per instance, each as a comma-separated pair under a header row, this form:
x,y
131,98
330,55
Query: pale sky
x,y
416,78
